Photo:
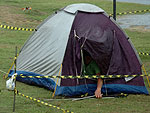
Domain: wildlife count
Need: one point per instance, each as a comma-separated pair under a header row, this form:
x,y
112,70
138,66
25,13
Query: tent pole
x,y
15,65
114,9
146,76
57,81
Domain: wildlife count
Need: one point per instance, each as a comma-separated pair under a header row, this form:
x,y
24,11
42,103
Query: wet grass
x,y
40,10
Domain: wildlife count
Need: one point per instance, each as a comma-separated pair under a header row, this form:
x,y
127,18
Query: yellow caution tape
x,y
42,102
81,77
16,28
131,12
140,53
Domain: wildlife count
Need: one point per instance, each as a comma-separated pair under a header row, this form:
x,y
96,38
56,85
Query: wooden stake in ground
x,y
15,65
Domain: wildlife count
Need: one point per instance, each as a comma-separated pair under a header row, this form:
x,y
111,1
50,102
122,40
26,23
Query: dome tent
x,y
61,38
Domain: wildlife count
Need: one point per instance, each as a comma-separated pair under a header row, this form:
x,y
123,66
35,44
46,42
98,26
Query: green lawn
x,y
11,14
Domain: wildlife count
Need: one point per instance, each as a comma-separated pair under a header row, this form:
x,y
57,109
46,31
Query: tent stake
x,y
57,82
146,76
15,64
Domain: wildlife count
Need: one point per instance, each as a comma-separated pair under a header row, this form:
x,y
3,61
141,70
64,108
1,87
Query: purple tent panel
x,y
108,46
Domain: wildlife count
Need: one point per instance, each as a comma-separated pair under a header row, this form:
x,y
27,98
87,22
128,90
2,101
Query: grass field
x,y
11,14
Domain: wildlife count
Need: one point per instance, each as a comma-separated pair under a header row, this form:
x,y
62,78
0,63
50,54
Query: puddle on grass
x,y
128,21
135,21
146,2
